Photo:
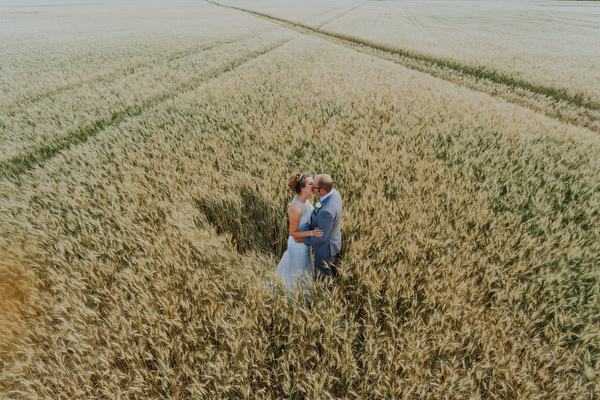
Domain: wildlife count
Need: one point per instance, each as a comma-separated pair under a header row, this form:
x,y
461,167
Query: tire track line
x,y
314,15
123,72
22,163
553,102
341,15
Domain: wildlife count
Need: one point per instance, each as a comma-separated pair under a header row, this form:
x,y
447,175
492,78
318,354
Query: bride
x,y
296,265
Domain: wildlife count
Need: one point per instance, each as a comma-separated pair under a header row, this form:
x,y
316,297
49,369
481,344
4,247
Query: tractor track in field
x,y
338,16
120,73
22,163
553,102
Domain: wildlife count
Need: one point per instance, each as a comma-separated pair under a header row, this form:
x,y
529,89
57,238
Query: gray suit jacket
x,y
328,219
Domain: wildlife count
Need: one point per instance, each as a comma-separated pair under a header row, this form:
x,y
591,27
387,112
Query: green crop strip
x,y
431,65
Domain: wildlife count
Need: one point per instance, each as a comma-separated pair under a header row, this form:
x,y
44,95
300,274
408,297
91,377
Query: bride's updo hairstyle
x,y
297,182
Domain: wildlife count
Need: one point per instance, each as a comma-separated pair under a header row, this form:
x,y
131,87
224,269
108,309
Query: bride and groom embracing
x,y
317,227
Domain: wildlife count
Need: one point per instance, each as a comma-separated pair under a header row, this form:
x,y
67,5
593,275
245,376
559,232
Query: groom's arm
x,y
325,224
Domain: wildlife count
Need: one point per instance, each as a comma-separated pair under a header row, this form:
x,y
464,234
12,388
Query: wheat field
x,y
552,44
143,208
539,54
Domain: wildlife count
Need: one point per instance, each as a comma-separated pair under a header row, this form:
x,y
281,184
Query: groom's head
x,y
322,184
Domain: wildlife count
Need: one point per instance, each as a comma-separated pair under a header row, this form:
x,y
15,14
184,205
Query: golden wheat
x,y
549,44
470,260
40,56
99,103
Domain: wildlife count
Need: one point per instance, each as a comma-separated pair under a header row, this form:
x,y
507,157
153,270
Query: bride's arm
x,y
295,214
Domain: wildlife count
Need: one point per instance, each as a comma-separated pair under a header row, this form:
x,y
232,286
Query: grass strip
x,y
479,72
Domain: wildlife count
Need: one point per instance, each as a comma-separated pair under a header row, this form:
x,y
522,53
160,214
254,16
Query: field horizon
x,y
145,157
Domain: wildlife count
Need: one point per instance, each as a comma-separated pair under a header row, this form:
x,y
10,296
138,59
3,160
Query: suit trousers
x,y
325,267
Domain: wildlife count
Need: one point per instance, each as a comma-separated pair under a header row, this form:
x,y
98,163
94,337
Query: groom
x,y
326,216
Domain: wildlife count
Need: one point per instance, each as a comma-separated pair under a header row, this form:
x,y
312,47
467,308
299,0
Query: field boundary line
x,y
553,102
318,14
22,163
32,99
341,15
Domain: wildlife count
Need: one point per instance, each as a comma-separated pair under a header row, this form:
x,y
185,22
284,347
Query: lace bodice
x,y
307,209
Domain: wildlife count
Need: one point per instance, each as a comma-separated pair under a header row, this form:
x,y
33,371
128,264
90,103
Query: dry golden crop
x,y
549,44
136,258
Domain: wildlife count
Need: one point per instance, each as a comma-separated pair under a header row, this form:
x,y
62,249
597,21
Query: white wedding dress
x,y
296,266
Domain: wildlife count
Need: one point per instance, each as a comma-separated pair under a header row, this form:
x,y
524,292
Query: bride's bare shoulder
x,y
295,210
